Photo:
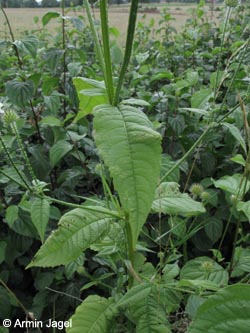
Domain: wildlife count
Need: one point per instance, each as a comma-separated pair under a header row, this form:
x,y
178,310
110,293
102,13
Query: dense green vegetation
x,y
124,177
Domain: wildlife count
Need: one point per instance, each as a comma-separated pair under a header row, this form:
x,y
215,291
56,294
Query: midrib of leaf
x,y
131,160
92,328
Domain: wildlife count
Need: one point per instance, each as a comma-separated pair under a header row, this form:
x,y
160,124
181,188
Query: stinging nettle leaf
x,y
19,93
78,229
131,149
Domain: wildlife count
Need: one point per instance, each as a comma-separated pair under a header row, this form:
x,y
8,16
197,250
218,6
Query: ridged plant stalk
x,y
113,92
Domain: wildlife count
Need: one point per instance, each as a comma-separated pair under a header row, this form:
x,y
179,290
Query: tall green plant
x,y
131,149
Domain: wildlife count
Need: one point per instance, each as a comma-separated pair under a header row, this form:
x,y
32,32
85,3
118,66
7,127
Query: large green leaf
x,y
58,150
153,319
28,45
131,149
204,268
136,294
90,93
233,184
78,229
227,311
94,315
169,200
18,92
40,211
200,98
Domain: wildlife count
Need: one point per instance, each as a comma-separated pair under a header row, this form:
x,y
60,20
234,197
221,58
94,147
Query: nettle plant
x,y
143,297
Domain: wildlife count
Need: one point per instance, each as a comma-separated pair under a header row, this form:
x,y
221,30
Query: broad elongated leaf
x,y
78,229
40,210
226,311
169,200
131,149
58,150
90,93
94,315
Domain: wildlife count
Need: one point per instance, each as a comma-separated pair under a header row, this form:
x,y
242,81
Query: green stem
x,y
237,228
131,252
23,151
92,209
106,50
13,164
12,38
128,48
179,162
13,180
221,48
98,48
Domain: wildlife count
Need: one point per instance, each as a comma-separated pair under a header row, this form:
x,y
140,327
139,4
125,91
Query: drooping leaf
x,y
131,149
236,134
48,16
169,200
40,211
19,93
90,93
78,229
239,159
135,101
226,311
58,151
94,315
